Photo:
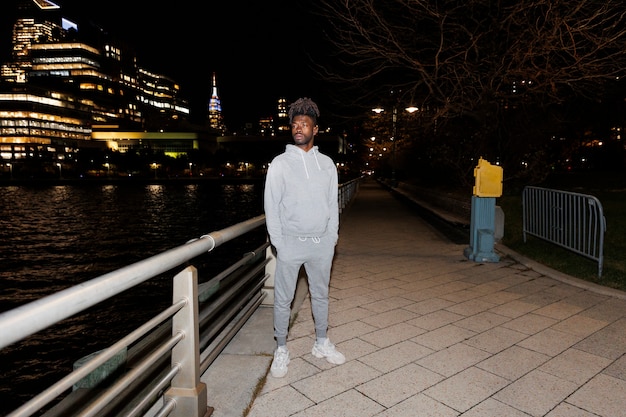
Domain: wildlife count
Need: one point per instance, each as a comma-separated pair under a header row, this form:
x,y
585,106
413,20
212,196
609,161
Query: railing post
x,y
270,270
186,391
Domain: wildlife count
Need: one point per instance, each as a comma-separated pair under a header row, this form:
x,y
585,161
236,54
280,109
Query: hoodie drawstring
x,y
304,163
313,239
316,161
306,170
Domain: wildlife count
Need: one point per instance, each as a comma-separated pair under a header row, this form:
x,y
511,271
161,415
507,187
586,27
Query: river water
x,y
58,235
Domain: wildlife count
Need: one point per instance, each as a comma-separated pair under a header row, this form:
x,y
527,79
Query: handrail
x,y
38,314
347,191
30,318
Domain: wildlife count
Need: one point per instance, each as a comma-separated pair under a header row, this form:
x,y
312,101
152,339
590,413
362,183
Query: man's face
x,y
303,130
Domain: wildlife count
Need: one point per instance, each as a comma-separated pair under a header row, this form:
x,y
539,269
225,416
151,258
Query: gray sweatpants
x,y
317,256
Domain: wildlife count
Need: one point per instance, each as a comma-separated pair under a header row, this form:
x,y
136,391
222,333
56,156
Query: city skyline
x,y
72,90
259,52
251,47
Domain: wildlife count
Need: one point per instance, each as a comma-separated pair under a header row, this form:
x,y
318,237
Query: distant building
x,y
67,79
216,120
266,126
282,122
276,124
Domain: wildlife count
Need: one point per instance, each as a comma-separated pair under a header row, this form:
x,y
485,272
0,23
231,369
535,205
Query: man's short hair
x,y
304,106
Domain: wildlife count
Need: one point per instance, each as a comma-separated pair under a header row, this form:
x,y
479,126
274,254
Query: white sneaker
x,y
280,362
327,350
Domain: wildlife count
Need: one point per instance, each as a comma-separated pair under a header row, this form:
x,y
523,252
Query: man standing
x,y
302,218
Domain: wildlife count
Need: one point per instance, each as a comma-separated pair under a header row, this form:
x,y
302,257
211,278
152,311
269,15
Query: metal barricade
x,y
571,220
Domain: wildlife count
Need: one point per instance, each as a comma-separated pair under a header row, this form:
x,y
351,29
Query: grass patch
x,y
610,190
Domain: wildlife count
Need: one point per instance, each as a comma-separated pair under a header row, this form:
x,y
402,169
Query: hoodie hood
x,y
304,156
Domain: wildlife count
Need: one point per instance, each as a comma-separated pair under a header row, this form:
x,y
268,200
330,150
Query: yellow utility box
x,y
488,179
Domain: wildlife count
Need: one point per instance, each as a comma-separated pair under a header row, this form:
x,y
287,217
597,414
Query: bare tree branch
x,y
475,58
460,53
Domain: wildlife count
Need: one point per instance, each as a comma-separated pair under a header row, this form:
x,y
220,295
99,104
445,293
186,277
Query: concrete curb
x,y
559,276
535,266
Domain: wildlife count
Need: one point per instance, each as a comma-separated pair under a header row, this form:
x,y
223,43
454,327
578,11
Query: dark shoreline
x,y
128,180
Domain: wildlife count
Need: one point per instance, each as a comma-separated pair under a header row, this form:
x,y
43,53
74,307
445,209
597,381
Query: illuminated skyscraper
x,y
283,117
63,82
215,109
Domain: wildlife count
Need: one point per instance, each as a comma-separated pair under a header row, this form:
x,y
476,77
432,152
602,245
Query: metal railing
x,y
347,191
171,337
156,368
571,220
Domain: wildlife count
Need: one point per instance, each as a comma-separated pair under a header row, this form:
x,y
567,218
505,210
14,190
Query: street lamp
x,y
154,166
10,171
60,172
394,132
190,172
108,169
394,117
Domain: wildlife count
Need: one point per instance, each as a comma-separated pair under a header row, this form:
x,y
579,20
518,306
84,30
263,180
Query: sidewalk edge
x,y
559,276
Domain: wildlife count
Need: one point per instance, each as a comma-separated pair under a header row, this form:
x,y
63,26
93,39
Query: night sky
x,y
258,50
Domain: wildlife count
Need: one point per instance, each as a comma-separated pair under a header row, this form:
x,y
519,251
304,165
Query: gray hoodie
x,y
301,195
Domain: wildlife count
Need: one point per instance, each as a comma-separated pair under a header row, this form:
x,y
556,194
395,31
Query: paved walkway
x,y
427,332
